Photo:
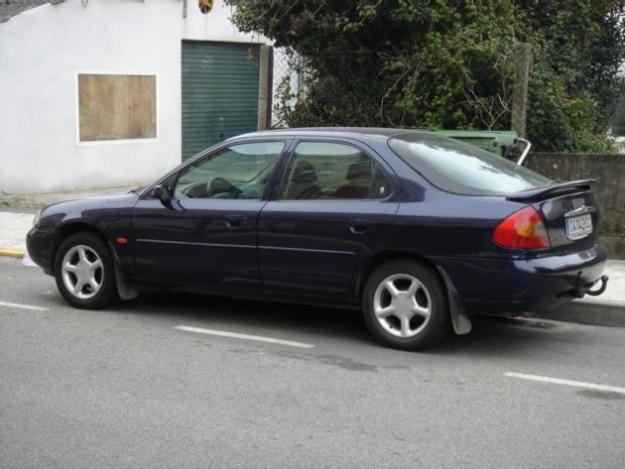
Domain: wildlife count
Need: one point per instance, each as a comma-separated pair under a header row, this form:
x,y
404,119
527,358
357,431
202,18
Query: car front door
x,y
332,211
206,234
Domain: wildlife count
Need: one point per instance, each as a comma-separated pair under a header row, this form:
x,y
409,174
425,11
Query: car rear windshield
x,y
462,168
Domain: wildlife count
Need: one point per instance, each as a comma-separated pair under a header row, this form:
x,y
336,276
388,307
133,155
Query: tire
x,y
414,315
81,257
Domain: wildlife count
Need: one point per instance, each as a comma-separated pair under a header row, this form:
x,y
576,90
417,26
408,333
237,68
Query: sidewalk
x,y
36,201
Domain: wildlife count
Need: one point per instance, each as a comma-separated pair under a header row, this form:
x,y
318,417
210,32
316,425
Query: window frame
x,y
80,142
289,160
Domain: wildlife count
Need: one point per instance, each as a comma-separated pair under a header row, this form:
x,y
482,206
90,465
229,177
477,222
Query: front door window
x,y
237,172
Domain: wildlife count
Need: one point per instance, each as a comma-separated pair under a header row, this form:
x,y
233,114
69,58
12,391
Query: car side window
x,y
237,172
325,170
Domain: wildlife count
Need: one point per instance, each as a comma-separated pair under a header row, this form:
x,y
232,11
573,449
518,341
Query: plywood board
x,y
116,107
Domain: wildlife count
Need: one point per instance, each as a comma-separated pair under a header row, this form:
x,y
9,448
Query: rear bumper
x,y
514,286
41,245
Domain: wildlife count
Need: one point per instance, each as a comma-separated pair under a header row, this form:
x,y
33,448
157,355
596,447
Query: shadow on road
x,y
249,314
500,336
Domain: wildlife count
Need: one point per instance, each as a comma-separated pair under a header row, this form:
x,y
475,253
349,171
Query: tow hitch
x,y
604,284
582,290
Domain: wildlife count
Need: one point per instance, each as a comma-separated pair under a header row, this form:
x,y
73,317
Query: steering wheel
x,y
221,186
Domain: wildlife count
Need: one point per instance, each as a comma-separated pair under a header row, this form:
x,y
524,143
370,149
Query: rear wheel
x,y
84,272
405,305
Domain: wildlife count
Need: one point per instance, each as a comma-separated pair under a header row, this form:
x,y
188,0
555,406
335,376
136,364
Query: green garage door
x,y
219,93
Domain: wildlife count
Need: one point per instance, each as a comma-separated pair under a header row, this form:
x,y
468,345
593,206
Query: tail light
x,y
522,230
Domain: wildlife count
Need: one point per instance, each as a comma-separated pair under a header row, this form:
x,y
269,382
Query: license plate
x,y
578,227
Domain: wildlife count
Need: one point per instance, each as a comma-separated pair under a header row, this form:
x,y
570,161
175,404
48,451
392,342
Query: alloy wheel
x,y
82,272
402,305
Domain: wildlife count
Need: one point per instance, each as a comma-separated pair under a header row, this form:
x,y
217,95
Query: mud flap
x,y
460,320
125,290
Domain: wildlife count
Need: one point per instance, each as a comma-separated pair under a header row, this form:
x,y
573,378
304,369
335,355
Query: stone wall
x,y
609,170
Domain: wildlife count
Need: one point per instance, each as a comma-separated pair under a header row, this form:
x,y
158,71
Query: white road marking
x,y
236,335
567,382
22,306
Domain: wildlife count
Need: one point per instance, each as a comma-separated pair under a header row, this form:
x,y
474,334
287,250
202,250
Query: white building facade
x,y
105,93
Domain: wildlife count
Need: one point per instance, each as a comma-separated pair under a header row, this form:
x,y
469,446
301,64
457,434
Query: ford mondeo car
x,y
419,231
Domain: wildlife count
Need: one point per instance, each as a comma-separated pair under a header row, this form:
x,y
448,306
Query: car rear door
x,y
206,235
333,209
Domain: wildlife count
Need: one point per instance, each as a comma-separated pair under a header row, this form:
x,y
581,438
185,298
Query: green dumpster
x,y
501,142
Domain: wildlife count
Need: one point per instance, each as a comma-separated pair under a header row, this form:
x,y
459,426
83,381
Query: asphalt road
x,y
124,388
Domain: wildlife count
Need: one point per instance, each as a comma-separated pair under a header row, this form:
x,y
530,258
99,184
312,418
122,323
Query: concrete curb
x,y
16,253
609,314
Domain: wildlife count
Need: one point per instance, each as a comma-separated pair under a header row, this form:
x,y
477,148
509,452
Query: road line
x,y
236,335
22,306
566,382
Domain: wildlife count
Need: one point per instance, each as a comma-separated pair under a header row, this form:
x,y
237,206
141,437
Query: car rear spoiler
x,y
558,188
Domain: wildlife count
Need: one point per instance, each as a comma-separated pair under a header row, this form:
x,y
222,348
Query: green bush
x,y
449,64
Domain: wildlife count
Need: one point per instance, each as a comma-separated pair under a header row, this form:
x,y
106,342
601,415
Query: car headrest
x,y
304,173
360,170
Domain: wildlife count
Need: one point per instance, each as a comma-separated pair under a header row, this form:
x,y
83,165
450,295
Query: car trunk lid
x,y
569,210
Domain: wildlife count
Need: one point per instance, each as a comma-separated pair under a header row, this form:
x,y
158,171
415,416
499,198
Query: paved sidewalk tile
x,y
13,229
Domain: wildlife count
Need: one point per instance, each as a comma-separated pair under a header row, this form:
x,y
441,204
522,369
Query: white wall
x,y
41,52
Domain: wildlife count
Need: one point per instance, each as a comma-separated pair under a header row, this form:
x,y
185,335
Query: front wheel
x,y
84,272
405,306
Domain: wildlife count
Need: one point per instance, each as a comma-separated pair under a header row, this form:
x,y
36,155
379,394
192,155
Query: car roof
x,y
371,132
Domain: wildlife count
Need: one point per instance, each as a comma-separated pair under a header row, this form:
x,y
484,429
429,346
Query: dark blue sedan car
x,y
420,231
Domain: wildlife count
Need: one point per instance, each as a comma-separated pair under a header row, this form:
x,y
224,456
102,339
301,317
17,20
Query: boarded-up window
x,y
116,107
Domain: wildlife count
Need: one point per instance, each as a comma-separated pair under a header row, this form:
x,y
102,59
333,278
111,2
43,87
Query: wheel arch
x,y
125,288
388,256
461,321
70,228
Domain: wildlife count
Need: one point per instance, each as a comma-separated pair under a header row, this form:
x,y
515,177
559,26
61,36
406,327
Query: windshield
x,y
462,168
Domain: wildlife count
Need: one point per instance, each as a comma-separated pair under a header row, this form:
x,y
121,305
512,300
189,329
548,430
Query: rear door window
x,y
462,168
327,170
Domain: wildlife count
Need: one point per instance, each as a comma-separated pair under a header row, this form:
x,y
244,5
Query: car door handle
x,y
359,226
235,221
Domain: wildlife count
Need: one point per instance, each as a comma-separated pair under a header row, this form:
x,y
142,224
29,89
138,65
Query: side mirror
x,y
162,193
